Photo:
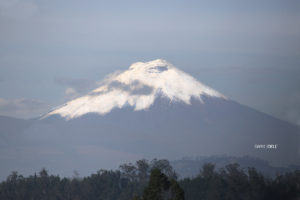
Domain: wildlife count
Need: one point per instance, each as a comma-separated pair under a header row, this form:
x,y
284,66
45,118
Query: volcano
x,y
151,110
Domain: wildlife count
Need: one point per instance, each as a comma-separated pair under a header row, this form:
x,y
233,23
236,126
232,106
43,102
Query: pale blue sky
x,y
248,50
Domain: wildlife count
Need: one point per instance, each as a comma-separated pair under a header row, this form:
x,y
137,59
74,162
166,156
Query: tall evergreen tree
x,y
161,188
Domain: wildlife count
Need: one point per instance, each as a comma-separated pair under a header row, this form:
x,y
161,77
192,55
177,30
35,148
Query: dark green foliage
x,y
189,166
121,184
40,186
157,185
161,187
234,183
176,191
154,180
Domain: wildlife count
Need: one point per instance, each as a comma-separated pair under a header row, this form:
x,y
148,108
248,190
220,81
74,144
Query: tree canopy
x,y
156,179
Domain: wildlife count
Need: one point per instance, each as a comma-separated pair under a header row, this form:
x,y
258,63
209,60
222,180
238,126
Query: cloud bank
x,y
23,108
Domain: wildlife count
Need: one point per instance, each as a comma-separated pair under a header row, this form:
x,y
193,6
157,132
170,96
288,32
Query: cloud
x,y
79,87
293,115
23,108
18,9
134,88
293,110
71,93
75,87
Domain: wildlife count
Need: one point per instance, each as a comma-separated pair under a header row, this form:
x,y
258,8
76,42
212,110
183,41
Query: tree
x,y
165,167
161,188
129,171
143,169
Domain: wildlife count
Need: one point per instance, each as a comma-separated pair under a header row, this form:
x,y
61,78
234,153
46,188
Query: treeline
x,y
231,182
123,184
189,166
154,180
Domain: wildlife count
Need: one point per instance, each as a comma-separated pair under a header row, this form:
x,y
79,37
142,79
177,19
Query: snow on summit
x,y
138,87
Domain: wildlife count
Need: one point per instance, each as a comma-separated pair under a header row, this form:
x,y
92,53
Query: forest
x,y
154,180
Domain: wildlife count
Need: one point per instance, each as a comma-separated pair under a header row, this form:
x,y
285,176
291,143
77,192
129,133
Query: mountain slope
x,y
151,110
138,87
175,129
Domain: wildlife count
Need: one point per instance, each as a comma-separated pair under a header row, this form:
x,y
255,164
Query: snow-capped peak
x,y
137,87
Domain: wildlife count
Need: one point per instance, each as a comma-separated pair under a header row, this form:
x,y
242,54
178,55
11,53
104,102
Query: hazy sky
x,y
51,51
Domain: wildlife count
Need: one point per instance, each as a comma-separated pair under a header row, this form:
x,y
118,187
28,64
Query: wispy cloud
x,y
293,111
293,115
23,108
75,87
